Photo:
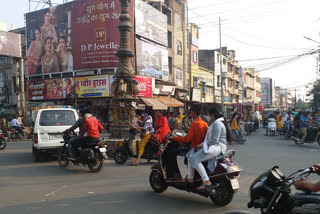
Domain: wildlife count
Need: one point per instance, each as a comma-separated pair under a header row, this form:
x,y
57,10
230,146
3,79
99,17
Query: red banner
x,y
95,36
145,86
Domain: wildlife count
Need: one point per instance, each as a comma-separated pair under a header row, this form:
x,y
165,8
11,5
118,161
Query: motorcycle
x,y
271,193
265,122
224,178
3,141
272,126
92,154
14,134
129,148
313,135
249,127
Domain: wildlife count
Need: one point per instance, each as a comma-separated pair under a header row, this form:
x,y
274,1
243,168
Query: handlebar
x,y
303,173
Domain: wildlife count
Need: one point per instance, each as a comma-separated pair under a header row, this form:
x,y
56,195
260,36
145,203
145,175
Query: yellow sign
x,y
93,86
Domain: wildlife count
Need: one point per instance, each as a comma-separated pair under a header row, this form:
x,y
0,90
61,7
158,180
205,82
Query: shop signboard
x,y
10,44
196,94
36,90
152,60
93,86
54,44
145,86
151,23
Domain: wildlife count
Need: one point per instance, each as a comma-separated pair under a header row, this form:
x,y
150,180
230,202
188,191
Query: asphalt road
x,y
28,187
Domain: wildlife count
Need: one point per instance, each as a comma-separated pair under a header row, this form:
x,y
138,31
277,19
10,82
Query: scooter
x,y
3,141
272,126
249,127
129,148
313,135
271,193
224,178
92,154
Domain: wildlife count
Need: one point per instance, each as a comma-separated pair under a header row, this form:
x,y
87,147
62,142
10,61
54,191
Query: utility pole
x,y
22,87
221,72
18,88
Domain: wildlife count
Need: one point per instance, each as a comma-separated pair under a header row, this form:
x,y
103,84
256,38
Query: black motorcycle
x,y
130,148
271,193
92,154
313,135
249,127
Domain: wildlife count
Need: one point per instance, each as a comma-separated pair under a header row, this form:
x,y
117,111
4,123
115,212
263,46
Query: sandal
x,y
135,163
205,187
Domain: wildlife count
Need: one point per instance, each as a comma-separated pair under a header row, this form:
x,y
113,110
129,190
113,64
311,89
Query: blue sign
x,y
92,95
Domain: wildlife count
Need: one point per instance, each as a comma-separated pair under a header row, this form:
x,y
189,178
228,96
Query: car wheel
x,y
35,154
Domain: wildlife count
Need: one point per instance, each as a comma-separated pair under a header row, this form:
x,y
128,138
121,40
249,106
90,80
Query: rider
x,y
213,146
271,115
161,125
148,130
196,135
304,124
279,125
307,185
16,125
74,140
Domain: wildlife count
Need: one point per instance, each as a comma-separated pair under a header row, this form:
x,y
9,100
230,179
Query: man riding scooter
x,y
196,136
271,115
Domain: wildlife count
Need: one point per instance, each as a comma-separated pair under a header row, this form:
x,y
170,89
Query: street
x,y
28,187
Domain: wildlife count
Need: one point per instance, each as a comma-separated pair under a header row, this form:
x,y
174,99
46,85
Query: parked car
x,y
48,130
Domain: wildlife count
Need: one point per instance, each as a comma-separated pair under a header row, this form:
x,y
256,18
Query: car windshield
x,y
57,118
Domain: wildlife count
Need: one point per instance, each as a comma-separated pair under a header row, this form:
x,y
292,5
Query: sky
x,y
255,29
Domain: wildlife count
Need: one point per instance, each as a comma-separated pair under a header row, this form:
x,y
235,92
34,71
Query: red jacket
x,y
92,126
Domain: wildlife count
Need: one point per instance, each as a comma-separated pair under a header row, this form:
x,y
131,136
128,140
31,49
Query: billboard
x,y
145,86
53,89
151,23
54,44
97,23
152,60
93,86
10,44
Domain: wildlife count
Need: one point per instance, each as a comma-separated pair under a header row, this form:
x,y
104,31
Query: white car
x,y
48,130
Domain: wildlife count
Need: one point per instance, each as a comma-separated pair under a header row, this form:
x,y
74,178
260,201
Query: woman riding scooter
x,y
213,146
148,131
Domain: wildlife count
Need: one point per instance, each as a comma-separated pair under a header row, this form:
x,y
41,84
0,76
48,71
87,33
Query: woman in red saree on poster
x,y
48,29
64,56
54,91
49,60
161,126
34,54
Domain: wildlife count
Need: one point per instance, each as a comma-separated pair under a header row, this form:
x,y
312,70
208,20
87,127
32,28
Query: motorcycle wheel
x,y
248,131
3,143
35,154
157,182
120,157
223,195
272,133
318,140
97,163
299,143
62,156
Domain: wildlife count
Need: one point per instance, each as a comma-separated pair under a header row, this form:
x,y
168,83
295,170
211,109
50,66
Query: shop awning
x,y
170,101
154,103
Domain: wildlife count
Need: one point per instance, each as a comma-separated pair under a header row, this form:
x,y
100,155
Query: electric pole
x,y
221,72
295,98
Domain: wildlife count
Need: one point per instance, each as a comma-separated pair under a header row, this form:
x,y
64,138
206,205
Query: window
x,y
218,81
170,64
195,82
167,12
224,61
218,58
57,118
179,47
169,39
195,56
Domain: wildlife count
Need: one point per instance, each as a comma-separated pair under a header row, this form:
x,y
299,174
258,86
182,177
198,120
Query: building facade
x,y
268,94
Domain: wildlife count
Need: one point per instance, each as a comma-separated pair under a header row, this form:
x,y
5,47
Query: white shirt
x,y
14,123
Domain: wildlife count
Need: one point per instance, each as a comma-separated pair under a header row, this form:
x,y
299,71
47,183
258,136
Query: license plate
x,y
103,150
235,183
51,137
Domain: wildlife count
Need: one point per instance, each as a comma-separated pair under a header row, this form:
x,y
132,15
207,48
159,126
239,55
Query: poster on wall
x,y
179,77
151,23
10,44
93,86
145,86
54,44
36,90
54,89
152,60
